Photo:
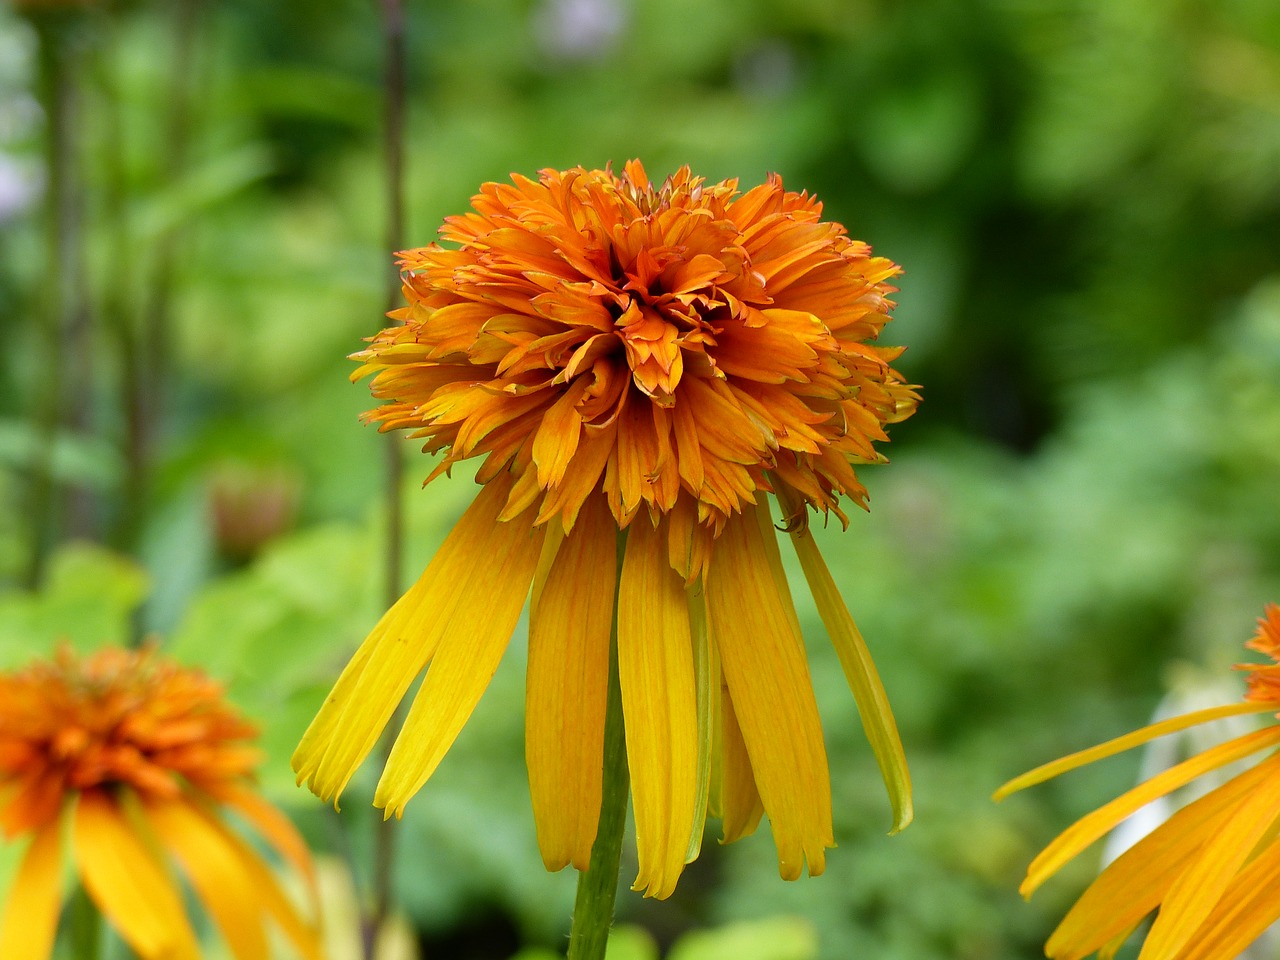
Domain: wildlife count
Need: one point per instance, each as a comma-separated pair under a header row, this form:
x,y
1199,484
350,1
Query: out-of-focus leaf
x,y
204,186
769,938
86,461
88,600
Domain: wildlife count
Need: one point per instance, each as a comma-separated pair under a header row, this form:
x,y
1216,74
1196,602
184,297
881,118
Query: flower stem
x,y
84,927
598,884
394,83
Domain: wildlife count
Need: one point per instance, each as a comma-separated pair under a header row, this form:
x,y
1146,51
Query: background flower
x,y
1210,870
142,759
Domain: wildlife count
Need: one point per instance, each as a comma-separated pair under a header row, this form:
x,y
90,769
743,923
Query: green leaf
x,y
88,600
770,938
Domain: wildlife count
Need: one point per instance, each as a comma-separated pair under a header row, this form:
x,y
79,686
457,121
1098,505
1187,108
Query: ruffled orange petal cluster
x,y
652,361
1212,870
141,757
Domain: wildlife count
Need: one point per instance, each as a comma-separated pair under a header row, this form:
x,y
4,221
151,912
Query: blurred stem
x,y
117,287
45,511
148,369
84,927
598,884
385,830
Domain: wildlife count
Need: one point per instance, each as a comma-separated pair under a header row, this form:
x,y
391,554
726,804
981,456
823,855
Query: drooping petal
x,y
655,671
132,889
768,677
214,857
1136,882
1092,826
232,899
706,674
1080,758
860,671
570,625
455,584
278,830
30,919
1195,894
738,799
489,571
1247,908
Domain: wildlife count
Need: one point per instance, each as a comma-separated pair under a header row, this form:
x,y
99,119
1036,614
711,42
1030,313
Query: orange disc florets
x,y
680,347
1264,678
117,718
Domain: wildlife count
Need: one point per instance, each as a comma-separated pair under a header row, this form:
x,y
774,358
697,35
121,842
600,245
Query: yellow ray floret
x,y
1210,870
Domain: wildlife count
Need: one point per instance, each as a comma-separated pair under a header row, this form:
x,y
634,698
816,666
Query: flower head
x,y
1211,870
652,360
140,756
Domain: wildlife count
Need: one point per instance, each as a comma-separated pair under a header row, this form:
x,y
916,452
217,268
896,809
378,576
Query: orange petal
x,y
214,870
570,624
655,671
1127,742
482,582
277,829
1136,882
860,672
1247,908
30,919
132,889
232,880
373,683
1089,828
1195,894
768,677
739,803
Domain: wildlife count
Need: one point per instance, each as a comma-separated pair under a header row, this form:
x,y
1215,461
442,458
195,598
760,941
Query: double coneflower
x,y
1212,870
140,759
652,361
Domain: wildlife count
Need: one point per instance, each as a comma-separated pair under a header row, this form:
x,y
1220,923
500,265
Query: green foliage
x,y
1086,197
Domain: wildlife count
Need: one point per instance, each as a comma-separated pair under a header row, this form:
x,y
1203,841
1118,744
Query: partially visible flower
x,y
251,505
141,759
1212,870
654,360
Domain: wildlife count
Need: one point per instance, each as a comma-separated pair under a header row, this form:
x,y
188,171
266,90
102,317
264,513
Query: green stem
x,y
598,885
84,929
395,41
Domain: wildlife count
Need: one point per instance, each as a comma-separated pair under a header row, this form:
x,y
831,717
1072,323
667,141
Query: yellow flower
x,y
140,758
1211,870
651,360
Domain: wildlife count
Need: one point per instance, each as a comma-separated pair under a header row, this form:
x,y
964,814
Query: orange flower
x,y
138,755
653,360
1211,870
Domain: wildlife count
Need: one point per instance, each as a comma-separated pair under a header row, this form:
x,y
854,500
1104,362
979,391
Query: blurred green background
x,y
1081,519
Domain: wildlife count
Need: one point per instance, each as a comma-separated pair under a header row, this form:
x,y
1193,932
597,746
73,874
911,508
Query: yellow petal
x,y
201,841
570,624
706,674
131,888
278,830
214,871
768,678
373,683
1127,742
30,919
1197,891
659,704
864,681
485,576
1092,826
739,803
1136,882
1247,908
